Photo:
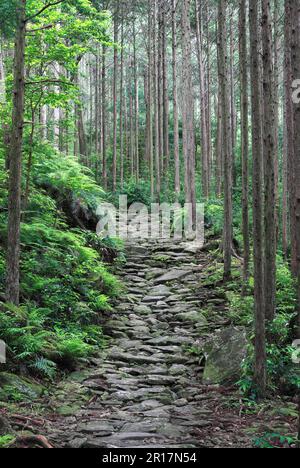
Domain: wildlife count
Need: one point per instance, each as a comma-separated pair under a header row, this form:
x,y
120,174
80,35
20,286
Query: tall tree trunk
x,y
156,101
290,131
244,134
122,105
115,99
295,58
269,157
131,124
15,162
136,106
203,100
160,87
150,95
165,89
227,143
285,202
188,109
104,123
2,76
175,101
258,238
219,148
208,92
43,122
232,99
277,44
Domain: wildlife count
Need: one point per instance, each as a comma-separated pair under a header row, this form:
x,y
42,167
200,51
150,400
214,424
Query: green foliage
x,y
136,192
214,215
274,440
65,286
6,441
66,175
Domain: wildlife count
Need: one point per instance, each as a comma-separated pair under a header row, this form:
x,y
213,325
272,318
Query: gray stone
x,y
172,275
193,317
97,427
153,299
177,369
224,356
160,290
10,383
77,443
142,310
135,358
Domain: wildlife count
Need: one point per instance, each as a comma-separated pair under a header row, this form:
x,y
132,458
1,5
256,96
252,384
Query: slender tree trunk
x,y
131,124
43,122
104,123
136,106
156,101
227,144
277,44
115,99
285,202
165,90
175,101
150,124
295,58
160,87
2,76
269,157
258,238
203,100
232,99
208,93
56,110
15,162
122,106
290,132
219,148
188,110
244,134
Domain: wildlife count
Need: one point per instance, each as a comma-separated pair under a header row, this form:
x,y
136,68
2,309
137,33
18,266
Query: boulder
x,y
224,356
13,386
193,317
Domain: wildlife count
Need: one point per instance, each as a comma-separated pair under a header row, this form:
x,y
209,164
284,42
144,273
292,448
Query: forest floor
x,y
146,389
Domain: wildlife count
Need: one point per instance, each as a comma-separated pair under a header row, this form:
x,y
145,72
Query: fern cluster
x,y
65,284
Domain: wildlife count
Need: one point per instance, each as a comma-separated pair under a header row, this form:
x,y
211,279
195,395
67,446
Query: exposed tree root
x,y
32,439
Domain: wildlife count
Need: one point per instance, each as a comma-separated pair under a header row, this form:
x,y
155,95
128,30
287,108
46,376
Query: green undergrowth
x,y
283,375
66,286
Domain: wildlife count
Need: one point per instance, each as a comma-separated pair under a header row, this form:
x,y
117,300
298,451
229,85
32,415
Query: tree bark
x,y
122,105
156,101
269,158
227,143
188,110
258,238
15,162
175,101
203,100
244,135
2,76
115,99
290,131
104,164
165,90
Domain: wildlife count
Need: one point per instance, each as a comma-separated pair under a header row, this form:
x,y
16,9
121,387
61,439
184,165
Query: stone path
x,y
146,391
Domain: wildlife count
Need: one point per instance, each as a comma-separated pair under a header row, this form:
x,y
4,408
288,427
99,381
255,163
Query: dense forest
x,y
140,342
